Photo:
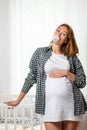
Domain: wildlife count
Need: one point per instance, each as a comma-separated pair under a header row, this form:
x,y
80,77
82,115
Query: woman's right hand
x,y
58,73
17,101
12,103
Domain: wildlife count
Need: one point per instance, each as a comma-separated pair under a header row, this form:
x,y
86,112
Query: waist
x,y
58,86
62,82
64,79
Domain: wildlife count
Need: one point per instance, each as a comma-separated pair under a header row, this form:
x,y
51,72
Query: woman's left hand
x,y
70,76
57,73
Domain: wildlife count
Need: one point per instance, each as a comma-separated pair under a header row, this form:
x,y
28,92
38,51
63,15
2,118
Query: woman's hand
x,y
62,73
17,101
57,73
70,76
12,103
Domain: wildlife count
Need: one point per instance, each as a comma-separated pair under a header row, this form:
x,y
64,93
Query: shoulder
x,y
76,61
76,58
41,49
73,58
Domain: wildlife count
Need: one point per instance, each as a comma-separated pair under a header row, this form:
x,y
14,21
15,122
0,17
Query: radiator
x,y
16,118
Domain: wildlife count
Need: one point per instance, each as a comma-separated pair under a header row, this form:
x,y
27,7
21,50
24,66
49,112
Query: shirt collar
x,y
48,48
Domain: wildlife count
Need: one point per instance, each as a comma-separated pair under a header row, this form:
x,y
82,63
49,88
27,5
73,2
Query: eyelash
x,y
63,33
58,30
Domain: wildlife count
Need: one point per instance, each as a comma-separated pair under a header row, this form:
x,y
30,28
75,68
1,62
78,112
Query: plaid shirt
x,y
37,75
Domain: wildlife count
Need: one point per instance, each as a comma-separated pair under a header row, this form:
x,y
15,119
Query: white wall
x,y
4,47
31,25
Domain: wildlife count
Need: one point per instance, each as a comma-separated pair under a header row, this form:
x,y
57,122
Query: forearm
x,y
20,97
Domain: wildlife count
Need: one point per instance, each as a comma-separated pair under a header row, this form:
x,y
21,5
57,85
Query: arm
x,y
17,101
32,75
80,77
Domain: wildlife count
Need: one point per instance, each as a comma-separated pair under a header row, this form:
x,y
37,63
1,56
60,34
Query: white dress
x,y
59,95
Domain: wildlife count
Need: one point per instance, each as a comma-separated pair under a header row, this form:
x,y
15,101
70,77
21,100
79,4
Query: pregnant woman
x,y
59,75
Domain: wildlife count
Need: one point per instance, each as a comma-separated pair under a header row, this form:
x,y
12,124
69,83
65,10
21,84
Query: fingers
x,y
71,76
51,75
8,103
56,73
5,102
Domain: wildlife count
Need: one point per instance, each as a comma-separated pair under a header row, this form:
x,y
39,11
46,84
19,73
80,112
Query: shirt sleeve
x,y
31,77
80,77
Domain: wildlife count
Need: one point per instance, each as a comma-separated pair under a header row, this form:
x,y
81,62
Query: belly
x,y
60,87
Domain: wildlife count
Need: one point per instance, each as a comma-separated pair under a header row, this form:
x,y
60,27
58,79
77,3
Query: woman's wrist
x,y
66,72
20,97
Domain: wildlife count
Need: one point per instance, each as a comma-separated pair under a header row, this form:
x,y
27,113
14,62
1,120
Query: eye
x,y
58,30
64,34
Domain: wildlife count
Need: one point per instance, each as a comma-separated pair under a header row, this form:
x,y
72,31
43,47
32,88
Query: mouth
x,y
55,38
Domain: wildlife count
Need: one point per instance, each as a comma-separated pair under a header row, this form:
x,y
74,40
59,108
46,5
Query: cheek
x,y
63,39
55,33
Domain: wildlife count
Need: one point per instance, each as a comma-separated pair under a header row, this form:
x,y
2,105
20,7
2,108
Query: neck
x,y
56,49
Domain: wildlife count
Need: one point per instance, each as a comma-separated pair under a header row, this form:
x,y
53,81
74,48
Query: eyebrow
x,y
63,31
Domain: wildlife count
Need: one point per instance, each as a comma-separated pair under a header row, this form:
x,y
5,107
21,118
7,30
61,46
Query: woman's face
x,y
62,33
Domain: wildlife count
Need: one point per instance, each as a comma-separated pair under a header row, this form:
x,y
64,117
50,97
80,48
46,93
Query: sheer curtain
x,y
32,24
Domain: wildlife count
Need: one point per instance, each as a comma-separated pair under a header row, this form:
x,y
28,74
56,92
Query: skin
x,y
63,125
17,101
56,48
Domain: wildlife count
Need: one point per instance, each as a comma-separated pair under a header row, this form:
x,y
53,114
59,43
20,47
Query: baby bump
x,y
58,87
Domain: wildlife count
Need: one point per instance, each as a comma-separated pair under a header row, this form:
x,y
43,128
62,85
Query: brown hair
x,y
70,48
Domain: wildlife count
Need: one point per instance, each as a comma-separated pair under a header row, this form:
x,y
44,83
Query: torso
x,y
57,86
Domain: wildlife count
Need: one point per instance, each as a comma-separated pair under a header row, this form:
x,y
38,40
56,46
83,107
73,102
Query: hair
x,y
70,48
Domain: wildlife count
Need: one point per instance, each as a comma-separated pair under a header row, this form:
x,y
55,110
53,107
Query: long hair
x,y
70,48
